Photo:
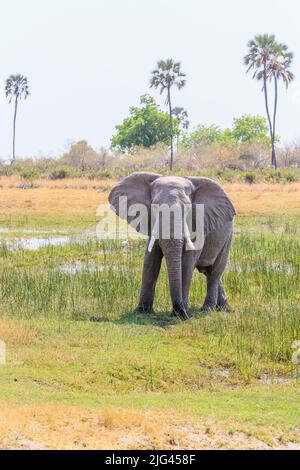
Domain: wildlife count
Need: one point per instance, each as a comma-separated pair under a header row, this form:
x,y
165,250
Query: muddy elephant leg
x,y
222,303
152,265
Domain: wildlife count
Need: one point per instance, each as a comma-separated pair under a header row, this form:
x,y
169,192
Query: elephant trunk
x,y
172,250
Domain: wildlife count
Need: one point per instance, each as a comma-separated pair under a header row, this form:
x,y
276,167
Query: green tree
x,y
204,135
248,129
270,61
182,116
16,87
167,75
226,137
78,153
146,126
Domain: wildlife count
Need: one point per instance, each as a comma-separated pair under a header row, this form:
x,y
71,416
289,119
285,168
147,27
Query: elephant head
x,y
152,191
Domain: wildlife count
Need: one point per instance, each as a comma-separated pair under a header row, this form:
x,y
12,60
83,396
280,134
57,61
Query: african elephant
x,y
182,257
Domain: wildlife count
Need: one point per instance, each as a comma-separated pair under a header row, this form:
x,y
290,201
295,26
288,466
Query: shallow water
x,y
50,232
43,238
35,243
46,238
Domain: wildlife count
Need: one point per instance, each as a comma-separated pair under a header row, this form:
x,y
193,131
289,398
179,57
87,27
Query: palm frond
x,y
269,59
16,86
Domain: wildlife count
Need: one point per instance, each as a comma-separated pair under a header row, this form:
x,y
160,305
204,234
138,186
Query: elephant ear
x,y
134,189
218,208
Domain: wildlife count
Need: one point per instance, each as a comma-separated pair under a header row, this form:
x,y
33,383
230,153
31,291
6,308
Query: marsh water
x,y
34,240
15,239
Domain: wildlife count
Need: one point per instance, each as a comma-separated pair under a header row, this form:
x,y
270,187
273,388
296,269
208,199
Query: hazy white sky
x,y
88,61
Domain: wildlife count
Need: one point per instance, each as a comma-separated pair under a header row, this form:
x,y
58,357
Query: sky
x,y
88,61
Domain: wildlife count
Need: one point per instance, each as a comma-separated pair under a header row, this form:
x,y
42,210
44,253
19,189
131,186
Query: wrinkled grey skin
x,y
149,188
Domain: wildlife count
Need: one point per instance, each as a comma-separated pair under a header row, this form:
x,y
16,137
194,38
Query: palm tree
x,y
270,61
168,74
16,88
279,70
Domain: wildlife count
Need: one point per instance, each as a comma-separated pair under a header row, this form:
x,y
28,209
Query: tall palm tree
x,y
168,74
279,69
16,87
270,61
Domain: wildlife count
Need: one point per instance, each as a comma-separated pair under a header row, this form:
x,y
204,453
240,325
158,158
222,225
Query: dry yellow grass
x,y
69,427
66,427
84,196
10,182
15,333
265,198
72,196
46,201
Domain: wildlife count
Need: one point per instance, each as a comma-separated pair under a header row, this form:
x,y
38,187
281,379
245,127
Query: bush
x,y
226,174
249,178
60,174
291,177
30,174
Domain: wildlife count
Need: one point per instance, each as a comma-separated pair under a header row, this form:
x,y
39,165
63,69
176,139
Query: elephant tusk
x,y
154,235
151,244
189,245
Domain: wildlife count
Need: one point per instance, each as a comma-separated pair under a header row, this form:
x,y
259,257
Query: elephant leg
x,y
215,290
222,303
212,281
151,269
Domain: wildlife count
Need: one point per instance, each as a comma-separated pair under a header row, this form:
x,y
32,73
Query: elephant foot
x,y
143,308
225,307
180,311
206,308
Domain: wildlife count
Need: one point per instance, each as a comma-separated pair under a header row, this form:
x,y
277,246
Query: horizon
x,y
59,40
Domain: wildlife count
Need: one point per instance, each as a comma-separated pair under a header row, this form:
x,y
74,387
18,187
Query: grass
x,y
223,380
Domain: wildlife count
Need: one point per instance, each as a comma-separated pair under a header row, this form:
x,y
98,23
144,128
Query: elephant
x,y
182,256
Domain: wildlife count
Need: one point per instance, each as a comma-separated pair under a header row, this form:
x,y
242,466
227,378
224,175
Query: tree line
x,y
270,62
148,125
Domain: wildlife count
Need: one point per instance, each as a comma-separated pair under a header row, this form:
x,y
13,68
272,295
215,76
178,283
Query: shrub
x,y
249,178
59,174
226,174
30,174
